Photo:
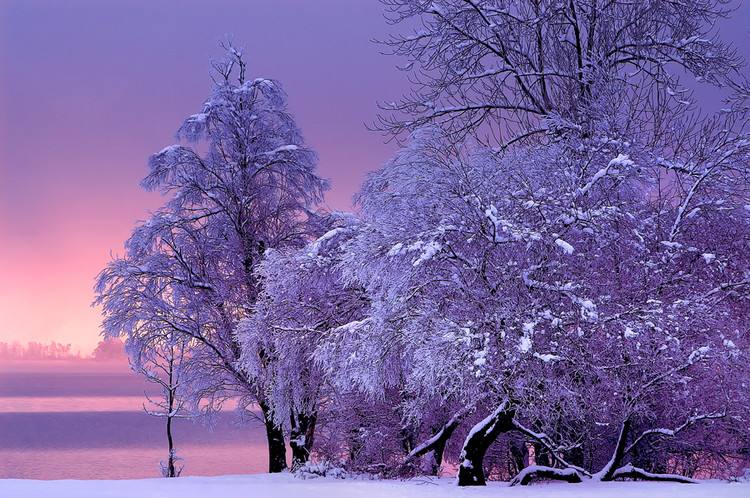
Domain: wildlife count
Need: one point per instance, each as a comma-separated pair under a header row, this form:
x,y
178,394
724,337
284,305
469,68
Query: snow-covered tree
x,y
585,228
510,70
243,183
164,363
516,282
559,258
304,298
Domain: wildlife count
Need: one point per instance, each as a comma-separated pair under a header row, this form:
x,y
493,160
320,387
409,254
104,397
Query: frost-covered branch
x,y
665,432
532,472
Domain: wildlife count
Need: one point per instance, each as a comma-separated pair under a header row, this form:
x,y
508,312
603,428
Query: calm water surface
x,y
55,425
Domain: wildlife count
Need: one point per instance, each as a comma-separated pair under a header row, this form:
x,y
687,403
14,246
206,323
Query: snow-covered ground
x,y
286,486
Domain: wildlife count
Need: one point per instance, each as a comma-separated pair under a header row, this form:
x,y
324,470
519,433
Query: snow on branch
x,y
441,436
550,446
630,472
615,166
673,432
532,472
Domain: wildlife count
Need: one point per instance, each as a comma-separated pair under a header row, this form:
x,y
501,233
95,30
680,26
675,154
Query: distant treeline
x,y
106,350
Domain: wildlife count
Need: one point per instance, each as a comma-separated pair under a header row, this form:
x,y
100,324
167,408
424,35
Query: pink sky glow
x,y
90,89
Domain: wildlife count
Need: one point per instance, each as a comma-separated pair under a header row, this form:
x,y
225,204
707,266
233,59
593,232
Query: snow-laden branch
x,y
621,161
549,445
441,436
698,354
532,472
666,432
728,287
682,208
630,472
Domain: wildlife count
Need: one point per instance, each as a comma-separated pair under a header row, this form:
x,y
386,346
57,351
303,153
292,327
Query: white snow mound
x,y
287,486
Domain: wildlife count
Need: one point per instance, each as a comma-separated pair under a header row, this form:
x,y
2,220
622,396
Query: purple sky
x,y
90,88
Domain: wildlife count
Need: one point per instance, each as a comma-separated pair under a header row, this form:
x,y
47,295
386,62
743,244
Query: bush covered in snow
x,y
324,468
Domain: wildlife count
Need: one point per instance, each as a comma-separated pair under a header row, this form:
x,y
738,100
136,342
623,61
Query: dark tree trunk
x,y
276,448
355,445
616,470
519,456
608,472
575,456
541,455
437,453
433,449
171,472
301,438
407,438
482,435
275,437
